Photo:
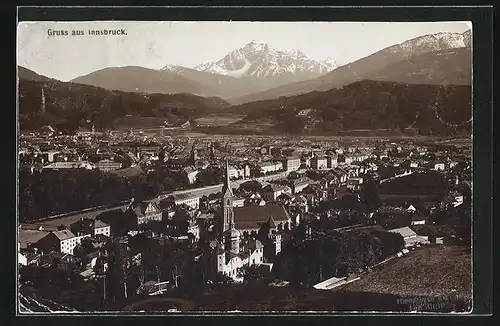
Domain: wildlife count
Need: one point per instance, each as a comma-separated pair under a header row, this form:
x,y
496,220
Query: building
x,y
86,226
291,163
438,166
273,191
354,183
299,184
191,173
331,161
236,172
319,162
63,241
49,155
410,237
69,165
108,165
417,219
271,166
238,201
231,254
188,199
249,219
145,212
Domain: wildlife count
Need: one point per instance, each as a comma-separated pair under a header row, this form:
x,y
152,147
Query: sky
x,y
156,44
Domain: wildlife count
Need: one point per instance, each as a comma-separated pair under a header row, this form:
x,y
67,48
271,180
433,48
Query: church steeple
x,y
227,181
194,155
227,201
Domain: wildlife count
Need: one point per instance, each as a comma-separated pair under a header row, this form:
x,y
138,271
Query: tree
x,y
253,273
223,278
369,195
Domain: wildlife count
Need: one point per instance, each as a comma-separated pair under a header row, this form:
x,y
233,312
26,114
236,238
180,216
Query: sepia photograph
x,y
244,166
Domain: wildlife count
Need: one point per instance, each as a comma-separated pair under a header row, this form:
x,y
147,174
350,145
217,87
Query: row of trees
x,y
47,193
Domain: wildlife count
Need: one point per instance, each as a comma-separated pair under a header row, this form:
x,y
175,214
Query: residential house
x,y
354,183
417,219
63,241
299,184
273,191
145,211
90,226
439,166
319,162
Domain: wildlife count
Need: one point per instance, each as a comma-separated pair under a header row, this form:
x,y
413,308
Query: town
x,y
110,220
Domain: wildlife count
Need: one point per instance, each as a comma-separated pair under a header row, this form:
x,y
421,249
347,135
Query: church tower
x,y
227,201
194,155
212,152
230,234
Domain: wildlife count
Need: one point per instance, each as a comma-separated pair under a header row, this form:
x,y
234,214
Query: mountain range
x,y
281,90
400,56
261,60
252,68
257,71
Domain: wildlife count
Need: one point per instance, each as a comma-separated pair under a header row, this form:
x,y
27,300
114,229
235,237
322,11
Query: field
x,y
134,122
219,120
434,271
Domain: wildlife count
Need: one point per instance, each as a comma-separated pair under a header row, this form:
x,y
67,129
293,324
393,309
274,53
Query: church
x,y
238,248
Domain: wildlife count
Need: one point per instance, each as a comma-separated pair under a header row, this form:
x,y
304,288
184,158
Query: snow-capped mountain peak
x,y
259,59
435,42
172,68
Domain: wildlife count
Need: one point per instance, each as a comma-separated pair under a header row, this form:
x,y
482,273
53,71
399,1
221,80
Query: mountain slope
x,y
69,105
367,67
27,74
446,67
428,109
221,85
140,80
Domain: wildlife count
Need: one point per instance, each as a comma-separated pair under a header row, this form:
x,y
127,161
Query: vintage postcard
x,y
192,167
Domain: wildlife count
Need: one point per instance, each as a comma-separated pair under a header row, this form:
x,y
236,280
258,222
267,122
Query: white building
x,y
188,199
102,228
292,163
191,173
270,166
63,241
439,166
319,163
410,237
